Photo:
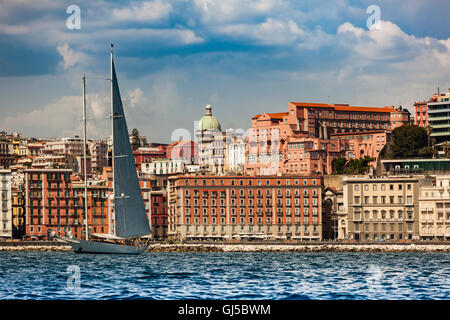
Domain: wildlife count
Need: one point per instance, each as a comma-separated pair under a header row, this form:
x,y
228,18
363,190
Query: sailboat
x,y
130,217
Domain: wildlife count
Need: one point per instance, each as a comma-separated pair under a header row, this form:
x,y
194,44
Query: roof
x,y
344,107
278,115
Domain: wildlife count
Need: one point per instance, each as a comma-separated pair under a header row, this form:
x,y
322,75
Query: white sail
x,y
130,216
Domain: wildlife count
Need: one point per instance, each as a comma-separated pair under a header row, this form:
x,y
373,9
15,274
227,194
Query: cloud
x,y
147,11
70,57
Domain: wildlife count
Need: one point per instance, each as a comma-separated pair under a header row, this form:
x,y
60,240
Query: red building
x,y
146,155
54,200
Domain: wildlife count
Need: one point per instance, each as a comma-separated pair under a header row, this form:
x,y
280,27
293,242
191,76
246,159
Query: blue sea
x,y
274,276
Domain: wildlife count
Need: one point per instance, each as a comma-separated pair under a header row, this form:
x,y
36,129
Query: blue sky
x,y
244,57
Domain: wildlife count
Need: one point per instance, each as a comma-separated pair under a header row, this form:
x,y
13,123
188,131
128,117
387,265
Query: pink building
x,y
305,140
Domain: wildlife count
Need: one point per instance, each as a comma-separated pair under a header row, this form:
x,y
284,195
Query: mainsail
x,y
130,216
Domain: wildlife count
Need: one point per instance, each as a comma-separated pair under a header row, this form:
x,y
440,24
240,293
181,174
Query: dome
x,y
208,121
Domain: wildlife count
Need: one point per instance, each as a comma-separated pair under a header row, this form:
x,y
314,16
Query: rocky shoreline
x,y
257,247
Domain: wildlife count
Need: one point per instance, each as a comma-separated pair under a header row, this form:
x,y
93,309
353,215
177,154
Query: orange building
x,y
299,141
54,200
244,207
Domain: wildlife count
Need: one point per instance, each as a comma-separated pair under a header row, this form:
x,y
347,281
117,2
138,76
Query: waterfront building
x,y
245,207
434,202
5,203
381,208
18,211
438,112
54,199
49,203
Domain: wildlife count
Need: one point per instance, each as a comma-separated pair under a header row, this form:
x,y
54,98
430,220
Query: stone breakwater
x,y
35,248
258,248
297,248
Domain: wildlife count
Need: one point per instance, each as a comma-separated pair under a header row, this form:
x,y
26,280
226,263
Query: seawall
x,y
237,247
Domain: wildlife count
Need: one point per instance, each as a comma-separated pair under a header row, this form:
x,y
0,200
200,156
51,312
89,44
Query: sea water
x,y
234,275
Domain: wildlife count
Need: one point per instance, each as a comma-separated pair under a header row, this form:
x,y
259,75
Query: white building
x,y
65,146
5,204
434,204
163,166
235,152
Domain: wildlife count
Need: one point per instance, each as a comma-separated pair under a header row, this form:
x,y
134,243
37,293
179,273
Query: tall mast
x,y
85,156
112,141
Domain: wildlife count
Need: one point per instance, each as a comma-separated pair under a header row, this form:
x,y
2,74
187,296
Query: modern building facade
x,y
244,207
439,117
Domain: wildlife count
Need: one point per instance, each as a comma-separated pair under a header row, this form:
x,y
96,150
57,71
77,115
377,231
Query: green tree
x,y
409,141
358,166
338,165
135,139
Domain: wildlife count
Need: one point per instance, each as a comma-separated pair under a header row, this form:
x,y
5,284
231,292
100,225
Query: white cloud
x,y
270,32
147,11
71,57
13,29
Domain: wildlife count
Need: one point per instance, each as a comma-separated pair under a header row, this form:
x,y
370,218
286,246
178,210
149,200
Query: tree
x,y
135,139
408,141
358,166
338,165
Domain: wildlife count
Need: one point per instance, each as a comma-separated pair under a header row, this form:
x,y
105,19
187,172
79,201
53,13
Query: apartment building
x,y
438,113
307,138
381,208
5,204
244,207
434,202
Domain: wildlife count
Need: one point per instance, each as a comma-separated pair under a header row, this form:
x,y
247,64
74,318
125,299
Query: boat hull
x,y
84,246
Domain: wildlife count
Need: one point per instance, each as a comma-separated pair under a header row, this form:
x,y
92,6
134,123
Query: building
x,y
54,200
244,207
5,204
50,203
98,151
415,166
164,167
421,114
439,117
385,208
235,152
18,212
183,150
146,155
65,146
434,202
211,143
7,156
306,139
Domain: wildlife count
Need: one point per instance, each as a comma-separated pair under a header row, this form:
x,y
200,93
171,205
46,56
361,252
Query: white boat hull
x,y
84,246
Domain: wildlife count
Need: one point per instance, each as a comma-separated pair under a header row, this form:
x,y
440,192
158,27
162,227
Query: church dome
x,y
208,121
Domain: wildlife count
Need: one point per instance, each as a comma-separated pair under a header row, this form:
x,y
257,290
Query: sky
x,y
244,57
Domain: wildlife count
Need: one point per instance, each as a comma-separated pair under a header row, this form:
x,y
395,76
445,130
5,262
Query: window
x,y
356,187
356,200
409,199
